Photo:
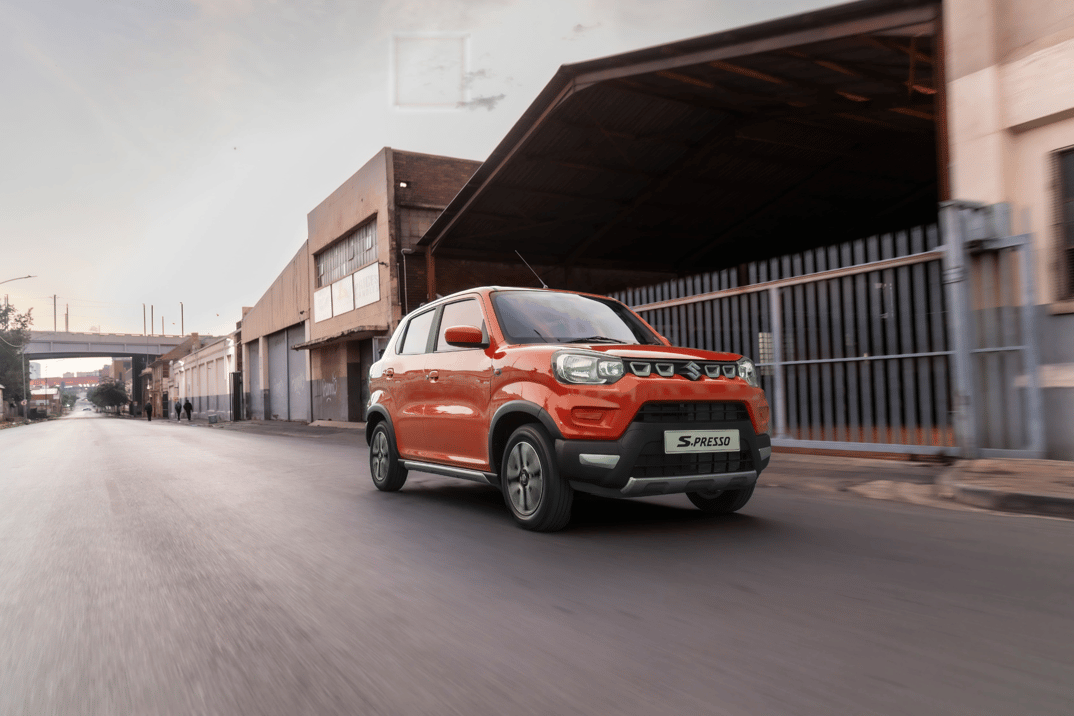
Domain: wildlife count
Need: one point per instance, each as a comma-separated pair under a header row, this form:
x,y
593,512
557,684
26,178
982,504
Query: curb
x,y
1028,503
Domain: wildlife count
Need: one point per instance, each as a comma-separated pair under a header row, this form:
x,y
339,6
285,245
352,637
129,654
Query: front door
x,y
408,386
459,387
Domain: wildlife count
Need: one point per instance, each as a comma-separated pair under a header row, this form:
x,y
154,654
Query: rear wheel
x,y
537,495
384,465
721,502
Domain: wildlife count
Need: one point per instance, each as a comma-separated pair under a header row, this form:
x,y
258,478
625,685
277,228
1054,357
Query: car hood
x,y
642,352
662,352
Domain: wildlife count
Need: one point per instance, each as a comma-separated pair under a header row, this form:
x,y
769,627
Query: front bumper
x,y
635,465
643,486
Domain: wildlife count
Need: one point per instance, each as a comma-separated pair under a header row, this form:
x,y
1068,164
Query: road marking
x,y
114,497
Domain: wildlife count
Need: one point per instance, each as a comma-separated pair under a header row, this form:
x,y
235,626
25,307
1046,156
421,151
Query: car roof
x,y
485,290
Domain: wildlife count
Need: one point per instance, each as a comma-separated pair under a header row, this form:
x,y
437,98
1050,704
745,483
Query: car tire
x,y
721,503
536,494
384,466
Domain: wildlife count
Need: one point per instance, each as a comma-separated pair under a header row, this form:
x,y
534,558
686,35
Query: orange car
x,y
541,393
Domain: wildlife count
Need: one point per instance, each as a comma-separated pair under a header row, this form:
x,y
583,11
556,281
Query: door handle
x,y
433,375
389,372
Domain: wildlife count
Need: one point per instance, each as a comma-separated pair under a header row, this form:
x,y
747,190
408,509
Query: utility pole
x,y
53,313
151,314
182,329
25,386
67,317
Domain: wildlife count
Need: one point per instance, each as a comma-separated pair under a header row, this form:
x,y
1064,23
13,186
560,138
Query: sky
x,y
163,152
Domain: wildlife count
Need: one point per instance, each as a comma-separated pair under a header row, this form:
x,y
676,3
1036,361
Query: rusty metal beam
x,y
886,43
848,28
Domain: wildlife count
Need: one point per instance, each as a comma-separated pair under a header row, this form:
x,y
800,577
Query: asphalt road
x,y
160,568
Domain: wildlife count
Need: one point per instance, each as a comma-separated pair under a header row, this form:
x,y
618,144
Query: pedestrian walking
x,y
178,410
149,411
188,408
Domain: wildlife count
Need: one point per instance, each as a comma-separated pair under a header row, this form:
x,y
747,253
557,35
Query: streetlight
x,y
22,351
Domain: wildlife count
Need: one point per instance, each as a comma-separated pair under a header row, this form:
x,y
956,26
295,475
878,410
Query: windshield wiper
x,y
595,339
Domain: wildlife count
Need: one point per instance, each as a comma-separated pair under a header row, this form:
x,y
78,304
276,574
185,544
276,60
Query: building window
x,y
1065,222
356,249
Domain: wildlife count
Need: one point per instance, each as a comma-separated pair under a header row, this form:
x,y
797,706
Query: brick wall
x,y
432,180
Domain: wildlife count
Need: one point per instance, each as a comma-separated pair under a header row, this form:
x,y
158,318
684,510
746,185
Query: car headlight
x,y
747,371
583,368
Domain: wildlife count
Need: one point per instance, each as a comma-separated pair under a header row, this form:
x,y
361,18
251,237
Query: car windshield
x,y
549,317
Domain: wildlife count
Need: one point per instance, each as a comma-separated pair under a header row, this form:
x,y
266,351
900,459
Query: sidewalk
x,y
283,428
1038,487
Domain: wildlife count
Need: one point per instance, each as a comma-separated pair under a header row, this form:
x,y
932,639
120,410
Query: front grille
x,y
706,411
653,462
690,369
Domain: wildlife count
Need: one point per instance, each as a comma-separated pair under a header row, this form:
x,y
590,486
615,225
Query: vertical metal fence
x,y
851,340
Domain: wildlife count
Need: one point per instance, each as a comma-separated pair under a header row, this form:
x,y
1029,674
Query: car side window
x,y
460,313
416,339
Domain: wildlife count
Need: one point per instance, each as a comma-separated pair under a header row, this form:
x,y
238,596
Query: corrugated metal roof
x,y
714,147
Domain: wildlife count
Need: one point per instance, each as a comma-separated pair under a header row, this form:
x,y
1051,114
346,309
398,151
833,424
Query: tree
x,y
69,399
108,394
14,334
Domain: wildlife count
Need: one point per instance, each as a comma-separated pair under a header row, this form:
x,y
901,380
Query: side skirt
x,y
485,478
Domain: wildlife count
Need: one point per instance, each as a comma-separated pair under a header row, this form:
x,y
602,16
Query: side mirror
x,y
465,337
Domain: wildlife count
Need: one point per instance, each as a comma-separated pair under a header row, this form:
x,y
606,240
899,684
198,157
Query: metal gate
x,y
289,388
893,343
990,276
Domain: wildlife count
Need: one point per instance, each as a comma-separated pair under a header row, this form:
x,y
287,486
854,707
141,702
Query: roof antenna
x,y
543,284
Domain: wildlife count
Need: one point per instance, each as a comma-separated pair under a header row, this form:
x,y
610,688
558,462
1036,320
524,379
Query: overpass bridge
x,y
45,345
142,350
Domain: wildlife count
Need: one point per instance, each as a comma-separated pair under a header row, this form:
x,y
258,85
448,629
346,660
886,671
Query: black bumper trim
x,y
630,446
646,486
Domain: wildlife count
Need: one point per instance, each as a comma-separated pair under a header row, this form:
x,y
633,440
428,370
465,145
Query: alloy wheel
x,y
525,478
380,456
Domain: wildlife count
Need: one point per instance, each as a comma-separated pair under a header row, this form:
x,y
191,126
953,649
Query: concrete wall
x,y
336,369
286,302
363,197
203,377
252,381
1010,97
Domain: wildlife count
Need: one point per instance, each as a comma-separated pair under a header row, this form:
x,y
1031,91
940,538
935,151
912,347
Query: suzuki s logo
x,y
691,371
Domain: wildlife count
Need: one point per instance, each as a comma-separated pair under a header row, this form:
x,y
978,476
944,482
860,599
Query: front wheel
x,y
538,497
721,502
384,465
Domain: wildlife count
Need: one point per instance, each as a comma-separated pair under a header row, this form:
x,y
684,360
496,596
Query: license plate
x,y
700,441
